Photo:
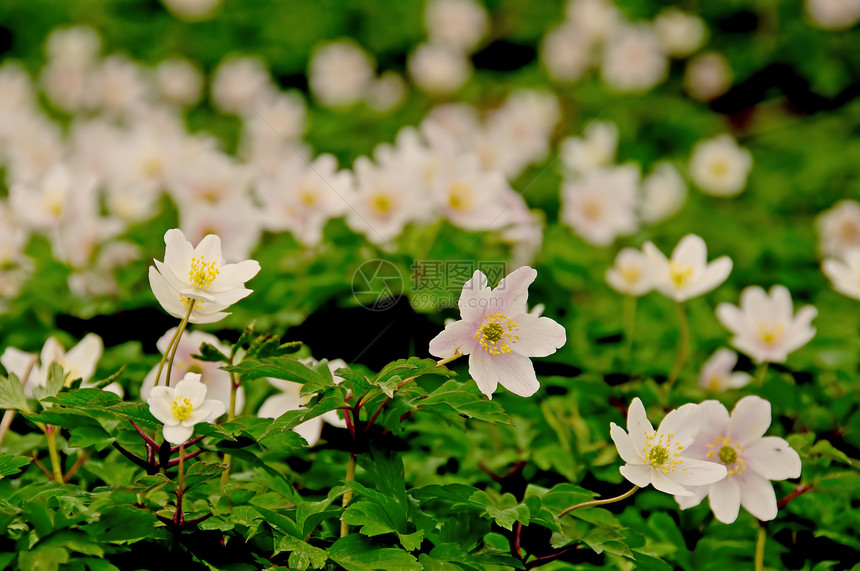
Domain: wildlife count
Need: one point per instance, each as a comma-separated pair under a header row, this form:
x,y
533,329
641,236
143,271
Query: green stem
x,y
50,433
449,359
759,548
593,503
629,318
177,336
760,373
683,345
347,496
231,414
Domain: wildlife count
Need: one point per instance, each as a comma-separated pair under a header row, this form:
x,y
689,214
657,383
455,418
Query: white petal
x,y
177,252
725,500
690,472
716,273
773,458
638,425
208,411
84,356
624,445
276,405
483,372
473,297
513,290
191,388
210,249
731,317
666,483
17,361
714,421
167,297
232,276
757,496
638,474
750,420
698,494
310,430
691,251
515,372
178,433
160,403
538,336
682,423
458,336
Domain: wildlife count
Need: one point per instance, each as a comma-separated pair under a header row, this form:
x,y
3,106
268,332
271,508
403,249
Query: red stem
x,y
799,490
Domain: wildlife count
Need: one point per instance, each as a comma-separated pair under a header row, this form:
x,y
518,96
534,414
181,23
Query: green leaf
x,y
46,558
302,555
12,464
463,399
826,449
12,393
357,553
56,380
210,353
284,368
504,510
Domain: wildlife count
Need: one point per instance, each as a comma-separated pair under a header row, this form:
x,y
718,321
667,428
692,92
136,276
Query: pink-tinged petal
x,y
177,434
538,336
513,290
624,445
483,372
691,251
17,362
773,458
715,274
755,304
208,411
757,496
682,423
84,356
638,426
690,472
731,317
310,430
658,266
515,372
738,380
721,362
168,298
750,420
666,483
474,297
698,494
714,421
235,275
276,405
164,340
637,474
210,249
178,252
160,403
781,305
800,332
191,388
456,337
725,500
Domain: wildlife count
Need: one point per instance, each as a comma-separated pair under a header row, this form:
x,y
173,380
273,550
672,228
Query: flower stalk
x,y
760,373
683,345
593,503
759,547
347,496
50,433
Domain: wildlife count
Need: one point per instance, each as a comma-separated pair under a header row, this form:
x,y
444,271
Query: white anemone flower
x,y
680,33
663,193
737,443
594,150
499,334
719,167
844,274
601,205
199,276
839,228
717,372
631,274
765,326
182,407
687,274
659,457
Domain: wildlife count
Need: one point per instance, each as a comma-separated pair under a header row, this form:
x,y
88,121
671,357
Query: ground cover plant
x,y
448,285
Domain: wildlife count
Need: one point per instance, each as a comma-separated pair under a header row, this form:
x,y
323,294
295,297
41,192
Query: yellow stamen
x,y
680,275
181,408
496,334
202,274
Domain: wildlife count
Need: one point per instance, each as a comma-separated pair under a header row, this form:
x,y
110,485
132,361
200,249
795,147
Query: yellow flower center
x,y
382,203
680,275
496,334
728,452
663,454
152,167
592,209
630,274
719,168
460,196
181,408
308,195
202,274
770,335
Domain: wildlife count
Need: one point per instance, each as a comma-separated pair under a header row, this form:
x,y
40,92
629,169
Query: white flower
x,y
118,85
594,150
468,196
459,24
839,228
438,69
182,407
75,45
634,60
192,10
216,379
663,193
238,83
659,457
681,33
387,92
595,18
498,333
687,274
717,372
631,274
707,76
765,326
340,73
737,443
833,14
47,205
290,398
566,53
602,205
179,81
719,167
845,273
198,275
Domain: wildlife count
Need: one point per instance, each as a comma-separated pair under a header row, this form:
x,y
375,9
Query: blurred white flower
x,y
596,19
118,85
179,81
717,373
458,24
387,92
199,275
680,33
631,274
663,193
764,325
238,83
633,60
16,92
708,76
498,334
737,442
438,69
839,228
844,273
833,14
594,150
75,45
659,457
182,407
687,274
208,176
601,205
216,379
340,73
193,10
236,219
34,145
468,196
566,53
719,167
47,205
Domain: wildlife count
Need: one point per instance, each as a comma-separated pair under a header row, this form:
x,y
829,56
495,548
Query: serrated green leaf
x,y
285,368
505,510
302,555
12,393
10,464
211,354
357,553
